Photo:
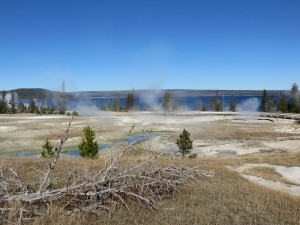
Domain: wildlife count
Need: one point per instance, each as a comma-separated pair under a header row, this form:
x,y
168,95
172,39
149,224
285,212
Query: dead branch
x,y
143,183
52,164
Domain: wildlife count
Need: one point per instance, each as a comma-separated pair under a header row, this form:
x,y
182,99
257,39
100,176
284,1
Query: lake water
x,y
146,103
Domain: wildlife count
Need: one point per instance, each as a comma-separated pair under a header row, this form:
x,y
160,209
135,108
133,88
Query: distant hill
x,y
39,93
174,92
35,93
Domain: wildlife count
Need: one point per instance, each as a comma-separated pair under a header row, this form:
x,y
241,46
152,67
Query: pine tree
x,y
264,101
48,149
115,106
232,105
22,107
271,104
293,104
166,102
184,143
13,103
129,101
3,102
216,104
43,109
32,107
203,106
88,147
282,105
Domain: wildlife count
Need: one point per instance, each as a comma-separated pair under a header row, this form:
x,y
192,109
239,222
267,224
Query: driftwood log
x,y
143,183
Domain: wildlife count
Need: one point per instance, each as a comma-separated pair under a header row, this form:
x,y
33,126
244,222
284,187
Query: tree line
x,y
269,103
283,104
13,106
132,103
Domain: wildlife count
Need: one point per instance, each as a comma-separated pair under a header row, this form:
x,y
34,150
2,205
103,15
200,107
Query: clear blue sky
x,y
121,44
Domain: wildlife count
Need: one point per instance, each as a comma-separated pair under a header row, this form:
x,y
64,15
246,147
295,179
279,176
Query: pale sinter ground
x,y
215,134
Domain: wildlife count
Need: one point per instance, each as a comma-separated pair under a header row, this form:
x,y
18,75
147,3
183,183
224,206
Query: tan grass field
x,y
223,143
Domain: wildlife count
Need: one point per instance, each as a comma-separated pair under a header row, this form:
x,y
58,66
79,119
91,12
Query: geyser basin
x,y
138,137
75,152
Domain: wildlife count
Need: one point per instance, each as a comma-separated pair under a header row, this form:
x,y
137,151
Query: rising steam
x,y
249,105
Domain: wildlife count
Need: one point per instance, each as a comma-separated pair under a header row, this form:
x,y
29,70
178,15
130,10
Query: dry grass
x,y
226,198
267,173
280,158
231,130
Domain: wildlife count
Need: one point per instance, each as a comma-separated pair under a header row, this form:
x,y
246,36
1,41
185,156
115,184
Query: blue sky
x,y
145,44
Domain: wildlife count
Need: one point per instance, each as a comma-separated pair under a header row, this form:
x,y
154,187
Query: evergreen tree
x,y
32,107
271,105
293,104
44,109
282,105
166,103
88,147
264,101
47,149
232,105
22,107
37,111
203,106
116,104
216,104
129,101
184,143
13,103
3,102
51,110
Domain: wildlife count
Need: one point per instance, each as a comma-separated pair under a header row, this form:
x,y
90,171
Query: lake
x,y
155,102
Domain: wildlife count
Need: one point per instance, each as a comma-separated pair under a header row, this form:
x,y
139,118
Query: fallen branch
x,y
143,183
53,163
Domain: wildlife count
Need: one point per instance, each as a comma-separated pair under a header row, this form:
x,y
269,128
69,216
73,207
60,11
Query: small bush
x,y
203,107
68,114
193,156
232,105
74,113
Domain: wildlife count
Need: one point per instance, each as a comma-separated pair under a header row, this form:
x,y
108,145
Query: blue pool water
x,y
138,137
75,152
